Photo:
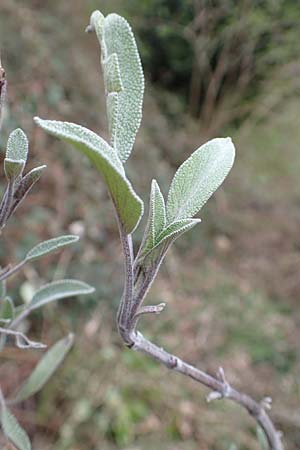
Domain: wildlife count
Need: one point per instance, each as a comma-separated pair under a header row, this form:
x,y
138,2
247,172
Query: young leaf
x,y
49,246
45,368
13,168
104,158
116,38
58,290
198,178
176,229
167,237
13,431
24,186
17,146
156,220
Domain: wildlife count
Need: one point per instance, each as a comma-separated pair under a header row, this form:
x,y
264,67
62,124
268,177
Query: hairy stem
x,y
123,318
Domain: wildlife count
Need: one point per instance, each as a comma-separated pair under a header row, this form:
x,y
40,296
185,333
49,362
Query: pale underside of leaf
x,y
118,39
199,177
58,290
129,206
13,431
45,368
50,245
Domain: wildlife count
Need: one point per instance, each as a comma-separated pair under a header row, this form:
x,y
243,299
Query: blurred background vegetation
x,y
213,68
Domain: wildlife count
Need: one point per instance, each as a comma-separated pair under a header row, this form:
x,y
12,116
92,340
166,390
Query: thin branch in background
x,y
3,85
21,339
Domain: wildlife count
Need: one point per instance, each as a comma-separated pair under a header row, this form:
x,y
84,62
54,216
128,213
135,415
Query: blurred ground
x,y
232,285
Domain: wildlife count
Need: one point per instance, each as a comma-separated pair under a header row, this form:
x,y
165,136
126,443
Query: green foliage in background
x,y
213,51
12,314
236,242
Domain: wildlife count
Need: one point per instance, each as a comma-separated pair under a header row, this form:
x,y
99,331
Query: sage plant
x,y
193,184
12,313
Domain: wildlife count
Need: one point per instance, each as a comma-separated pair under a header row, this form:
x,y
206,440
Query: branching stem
x,y
220,388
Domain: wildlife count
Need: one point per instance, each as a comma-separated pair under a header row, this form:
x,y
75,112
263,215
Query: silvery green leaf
x,y
129,206
116,38
156,219
164,240
49,246
112,114
263,443
175,229
45,368
17,146
112,76
13,168
13,431
58,290
198,178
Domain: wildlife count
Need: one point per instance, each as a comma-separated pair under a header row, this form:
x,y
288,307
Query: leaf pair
x,y
18,185
193,184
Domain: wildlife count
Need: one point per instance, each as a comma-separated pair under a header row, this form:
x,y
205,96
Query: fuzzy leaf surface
x,y
49,246
175,229
45,368
58,290
13,430
107,162
112,76
17,146
116,38
165,239
198,178
156,220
